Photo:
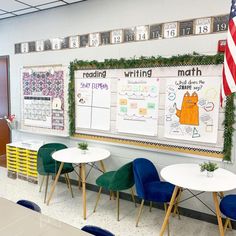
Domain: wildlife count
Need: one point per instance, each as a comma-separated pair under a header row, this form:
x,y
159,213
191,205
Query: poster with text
x,y
137,105
192,108
92,101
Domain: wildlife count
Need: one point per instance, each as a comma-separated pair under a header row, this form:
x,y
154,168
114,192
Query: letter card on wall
x,y
192,108
137,105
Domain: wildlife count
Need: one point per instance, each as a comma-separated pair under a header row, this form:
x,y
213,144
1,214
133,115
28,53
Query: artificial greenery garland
x,y
142,62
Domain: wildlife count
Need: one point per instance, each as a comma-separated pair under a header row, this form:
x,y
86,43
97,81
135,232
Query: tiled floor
x,y
68,210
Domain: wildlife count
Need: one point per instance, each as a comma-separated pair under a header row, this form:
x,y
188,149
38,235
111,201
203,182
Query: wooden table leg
x,y
172,201
218,214
55,182
83,189
102,166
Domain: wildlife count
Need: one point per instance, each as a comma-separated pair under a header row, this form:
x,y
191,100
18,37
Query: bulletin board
x,y
148,106
44,100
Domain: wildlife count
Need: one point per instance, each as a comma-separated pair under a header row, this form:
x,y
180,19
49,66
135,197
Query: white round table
x,y
189,176
74,155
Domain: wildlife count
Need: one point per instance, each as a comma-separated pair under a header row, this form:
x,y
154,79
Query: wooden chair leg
x,y
139,213
132,195
150,207
118,205
176,210
79,179
41,185
66,181
46,189
168,225
69,185
98,197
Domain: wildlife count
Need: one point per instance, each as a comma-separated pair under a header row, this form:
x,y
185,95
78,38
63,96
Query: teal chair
x,y
116,181
47,166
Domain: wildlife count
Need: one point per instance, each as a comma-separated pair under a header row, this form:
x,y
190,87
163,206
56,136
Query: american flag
x,y
229,68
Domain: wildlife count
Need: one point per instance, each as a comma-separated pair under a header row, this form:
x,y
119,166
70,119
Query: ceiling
x,y
12,8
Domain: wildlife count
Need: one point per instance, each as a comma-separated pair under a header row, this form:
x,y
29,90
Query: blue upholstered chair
x,y
94,230
228,208
28,204
148,185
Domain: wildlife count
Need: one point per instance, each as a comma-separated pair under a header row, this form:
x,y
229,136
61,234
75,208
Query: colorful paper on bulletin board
x,y
92,102
43,98
192,108
137,105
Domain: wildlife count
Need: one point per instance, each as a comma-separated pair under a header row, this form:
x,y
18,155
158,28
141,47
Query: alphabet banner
x,y
192,108
137,105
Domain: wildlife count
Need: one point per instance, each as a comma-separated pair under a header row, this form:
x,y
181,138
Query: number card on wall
x,y
116,36
170,30
203,26
129,35
186,28
39,45
24,48
155,31
220,23
192,108
92,103
142,33
94,39
137,105
74,41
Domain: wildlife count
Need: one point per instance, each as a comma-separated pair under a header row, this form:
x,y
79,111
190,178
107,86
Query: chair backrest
x,y
123,178
144,172
30,205
45,159
94,230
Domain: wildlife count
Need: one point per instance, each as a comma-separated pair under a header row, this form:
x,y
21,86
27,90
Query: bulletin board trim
x,y
144,62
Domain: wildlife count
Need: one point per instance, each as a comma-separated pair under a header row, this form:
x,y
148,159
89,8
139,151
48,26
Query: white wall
x,y
101,15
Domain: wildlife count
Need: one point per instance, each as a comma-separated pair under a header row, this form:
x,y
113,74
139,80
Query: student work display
x,y
44,99
155,107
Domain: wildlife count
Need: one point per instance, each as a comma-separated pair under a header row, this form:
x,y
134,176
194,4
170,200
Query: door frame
x,y
7,57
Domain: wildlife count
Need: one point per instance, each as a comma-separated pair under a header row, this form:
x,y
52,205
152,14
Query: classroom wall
x,y
102,15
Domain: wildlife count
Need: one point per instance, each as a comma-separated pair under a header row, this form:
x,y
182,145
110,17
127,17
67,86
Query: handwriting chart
x,y
192,108
92,101
137,105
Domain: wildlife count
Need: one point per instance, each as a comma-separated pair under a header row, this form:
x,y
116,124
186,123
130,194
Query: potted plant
x,y
83,146
210,167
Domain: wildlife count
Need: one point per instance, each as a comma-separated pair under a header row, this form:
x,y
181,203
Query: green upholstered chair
x,y
116,181
47,166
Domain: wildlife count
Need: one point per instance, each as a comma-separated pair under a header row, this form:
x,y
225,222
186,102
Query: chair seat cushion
x,y
52,169
228,206
105,179
158,191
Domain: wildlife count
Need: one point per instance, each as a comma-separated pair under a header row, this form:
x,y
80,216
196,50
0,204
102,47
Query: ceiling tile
x,y
50,5
37,2
11,5
72,1
25,11
6,15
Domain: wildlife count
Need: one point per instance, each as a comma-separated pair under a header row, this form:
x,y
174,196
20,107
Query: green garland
x,y
142,62
228,127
